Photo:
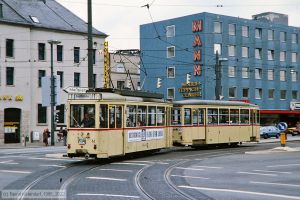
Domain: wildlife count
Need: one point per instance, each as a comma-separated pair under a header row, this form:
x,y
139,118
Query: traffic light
x,y
188,78
158,84
57,117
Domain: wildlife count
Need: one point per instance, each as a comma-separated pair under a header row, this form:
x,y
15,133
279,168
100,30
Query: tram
x,y
105,123
203,122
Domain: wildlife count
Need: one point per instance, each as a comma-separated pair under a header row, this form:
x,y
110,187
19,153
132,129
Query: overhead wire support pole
x,y
90,46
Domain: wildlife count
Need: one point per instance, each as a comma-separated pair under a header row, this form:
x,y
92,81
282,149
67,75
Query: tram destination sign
x,y
77,90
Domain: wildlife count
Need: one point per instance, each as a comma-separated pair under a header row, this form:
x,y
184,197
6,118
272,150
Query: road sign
x,y
282,126
46,91
71,89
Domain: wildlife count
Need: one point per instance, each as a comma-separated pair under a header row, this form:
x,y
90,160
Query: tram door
x,y
116,126
12,126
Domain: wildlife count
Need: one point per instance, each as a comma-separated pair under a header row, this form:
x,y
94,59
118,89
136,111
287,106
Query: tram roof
x,y
213,102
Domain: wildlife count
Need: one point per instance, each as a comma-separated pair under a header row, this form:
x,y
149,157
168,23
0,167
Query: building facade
x,y
125,69
254,60
26,27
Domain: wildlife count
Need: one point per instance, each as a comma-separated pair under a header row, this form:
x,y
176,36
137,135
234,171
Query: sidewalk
x,y
29,145
273,140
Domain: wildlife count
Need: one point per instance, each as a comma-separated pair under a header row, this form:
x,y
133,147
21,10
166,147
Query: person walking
x,y
46,135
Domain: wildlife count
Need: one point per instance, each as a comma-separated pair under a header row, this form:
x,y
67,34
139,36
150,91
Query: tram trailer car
x,y
105,124
203,122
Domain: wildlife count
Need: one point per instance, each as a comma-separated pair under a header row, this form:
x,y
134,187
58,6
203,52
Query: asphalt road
x,y
180,173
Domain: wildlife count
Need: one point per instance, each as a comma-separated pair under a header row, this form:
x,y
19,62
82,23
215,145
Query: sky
x,y
121,19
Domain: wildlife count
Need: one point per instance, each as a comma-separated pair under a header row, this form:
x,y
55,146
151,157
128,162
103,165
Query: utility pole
x,y
218,87
53,103
90,46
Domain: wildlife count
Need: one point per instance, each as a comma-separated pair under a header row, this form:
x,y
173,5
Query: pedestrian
x,y
46,135
65,134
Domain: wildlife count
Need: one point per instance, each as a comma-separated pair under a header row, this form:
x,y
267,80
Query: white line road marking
x,y
53,159
9,162
17,172
196,169
116,170
108,195
106,178
127,163
195,177
272,171
150,162
208,167
241,191
279,184
53,166
287,165
253,173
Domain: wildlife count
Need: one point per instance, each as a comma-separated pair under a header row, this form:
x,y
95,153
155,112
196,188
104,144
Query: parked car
x,y
269,131
294,131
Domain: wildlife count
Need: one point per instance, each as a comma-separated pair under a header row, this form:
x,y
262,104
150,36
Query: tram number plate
x,y
82,141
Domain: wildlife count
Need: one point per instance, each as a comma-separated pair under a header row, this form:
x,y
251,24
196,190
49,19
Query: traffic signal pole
x,y
90,46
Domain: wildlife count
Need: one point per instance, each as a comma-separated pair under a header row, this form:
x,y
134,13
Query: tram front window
x,y
82,116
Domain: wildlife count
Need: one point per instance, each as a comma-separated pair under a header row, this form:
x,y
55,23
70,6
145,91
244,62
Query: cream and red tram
x,y
202,122
116,124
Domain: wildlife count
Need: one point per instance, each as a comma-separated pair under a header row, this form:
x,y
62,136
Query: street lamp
x,y
52,95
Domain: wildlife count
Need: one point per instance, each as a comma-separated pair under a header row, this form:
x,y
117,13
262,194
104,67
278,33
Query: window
x,y
231,29
232,92
282,75
294,75
245,92
258,73
187,116
295,38
34,19
120,68
212,116
245,52
170,31
218,47
82,115
270,34
59,52
170,52
258,53
142,115
294,94
151,116
282,94
270,74
103,116
42,114
282,36
224,116
231,71
115,116
9,48
76,79
231,50
9,76
258,93
60,113
76,54
282,56
171,93
171,72
245,31
198,116
120,84
244,116
94,56
234,116
294,57
42,73
245,72
42,51
271,93
176,116
217,27
61,78
270,54
258,33
160,116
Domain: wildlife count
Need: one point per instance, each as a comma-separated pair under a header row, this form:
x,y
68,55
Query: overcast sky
x,y
121,19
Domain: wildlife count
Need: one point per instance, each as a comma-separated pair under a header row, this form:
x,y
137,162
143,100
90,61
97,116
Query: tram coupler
x,y
282,139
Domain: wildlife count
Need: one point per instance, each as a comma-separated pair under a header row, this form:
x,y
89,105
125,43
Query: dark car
x,y
269,131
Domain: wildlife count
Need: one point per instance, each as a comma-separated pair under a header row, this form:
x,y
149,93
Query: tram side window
x,y
160,116
195,117
118,116
103,116
198,117
234,116
212,116
187,116
82,115
142,116
131,116
244,116
224,116
176,116
115,116
151,116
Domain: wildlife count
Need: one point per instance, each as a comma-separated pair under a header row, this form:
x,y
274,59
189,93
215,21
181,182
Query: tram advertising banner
x,y
145,135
